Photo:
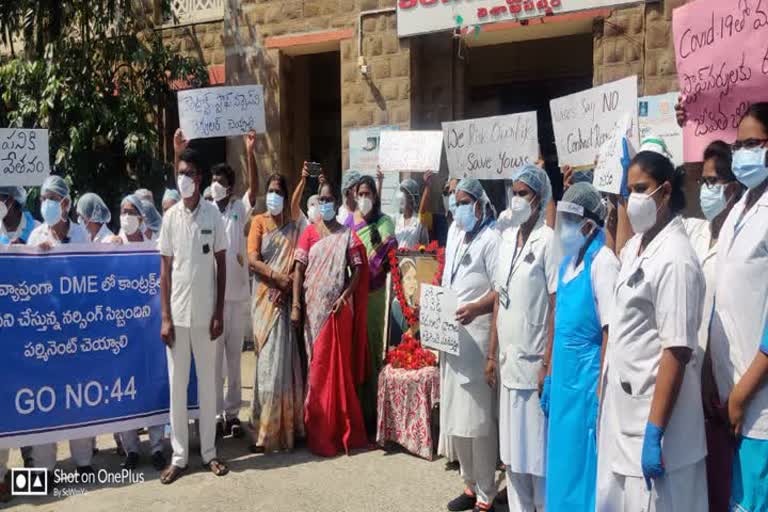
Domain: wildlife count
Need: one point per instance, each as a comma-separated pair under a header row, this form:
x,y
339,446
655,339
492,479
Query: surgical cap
x,y
152,217
586,195
537,180
132,199
144,194
656,145
171,195
56,185
472,187
350,179
93,209
17,193
410,187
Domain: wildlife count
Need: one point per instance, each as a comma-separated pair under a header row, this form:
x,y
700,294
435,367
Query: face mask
x,y
3,210
50,210
642,211
186,186
129,224
712,200
519,211
465,217
571,238
365,204
400,197
452,204
328,211
749,166
218,191
275,203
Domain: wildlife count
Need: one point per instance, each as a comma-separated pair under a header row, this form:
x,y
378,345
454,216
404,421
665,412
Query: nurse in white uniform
x,y
467,404
409,229
651,438
521,337
741,314
94,215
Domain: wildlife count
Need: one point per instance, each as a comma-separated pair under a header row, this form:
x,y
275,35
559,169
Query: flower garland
x,y
411,314
410,355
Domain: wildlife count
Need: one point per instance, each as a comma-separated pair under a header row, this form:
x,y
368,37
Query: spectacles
x,y
747,144
712,181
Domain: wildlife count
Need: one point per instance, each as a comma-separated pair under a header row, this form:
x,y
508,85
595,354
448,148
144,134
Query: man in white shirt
x,y
193,245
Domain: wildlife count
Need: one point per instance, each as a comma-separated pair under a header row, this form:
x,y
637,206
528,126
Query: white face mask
x,y
129,224
218,191
186,186
642,211
3,210
365,204
275,203
519,211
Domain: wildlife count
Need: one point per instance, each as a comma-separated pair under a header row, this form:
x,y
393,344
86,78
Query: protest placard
x,y
411,151
23,157
656,118
721,49
437,319
613,158
221,111
364,144
491,148
584,121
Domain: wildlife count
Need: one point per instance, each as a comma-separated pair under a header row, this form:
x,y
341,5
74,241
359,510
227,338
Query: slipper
x,y
171,474
216,467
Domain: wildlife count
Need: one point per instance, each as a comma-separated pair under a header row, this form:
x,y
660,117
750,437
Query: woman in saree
x,y
276,412
331,274
377,232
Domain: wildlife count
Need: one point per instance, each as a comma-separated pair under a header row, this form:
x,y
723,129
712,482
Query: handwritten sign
x,y
411,151
364,144
491,148
656,118
222,111
584,121
23,157
437,325
613,159
721,49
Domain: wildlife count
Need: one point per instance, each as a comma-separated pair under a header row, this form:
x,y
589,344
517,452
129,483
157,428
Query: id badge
x,y
504,298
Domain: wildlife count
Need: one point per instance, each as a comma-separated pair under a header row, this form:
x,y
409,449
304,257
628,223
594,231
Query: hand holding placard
x,y
23,157
437,325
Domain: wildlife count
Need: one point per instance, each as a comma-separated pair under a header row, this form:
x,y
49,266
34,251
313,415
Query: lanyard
x,y
516,255
456,264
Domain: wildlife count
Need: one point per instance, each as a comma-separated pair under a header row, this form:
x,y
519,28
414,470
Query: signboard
x,y
221,111
491,148
24,158
584,121
613,159
411,151
722,66
364,146
437,319
425,16
656,118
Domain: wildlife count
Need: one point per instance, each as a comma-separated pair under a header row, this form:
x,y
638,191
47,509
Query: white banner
x,y
424,16
584,121
437,319
24,160
614,154
221,111
656,118
491,148
411,151
364,146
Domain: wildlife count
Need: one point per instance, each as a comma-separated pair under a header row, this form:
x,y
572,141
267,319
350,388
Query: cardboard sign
x,y
656,118
613,159
24,160
364,147
411,151
491,148
437,325
722,66
584,121
221,111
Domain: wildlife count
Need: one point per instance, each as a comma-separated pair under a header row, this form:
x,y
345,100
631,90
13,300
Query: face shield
x,y
573,228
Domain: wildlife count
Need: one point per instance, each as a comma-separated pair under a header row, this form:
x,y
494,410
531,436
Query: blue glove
x,y
764,344
651,460
545,396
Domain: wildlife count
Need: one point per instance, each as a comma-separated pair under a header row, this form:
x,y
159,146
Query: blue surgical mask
x,y
571,238
328,211
712,200
465,217
749,166
275,203
50,210
452,204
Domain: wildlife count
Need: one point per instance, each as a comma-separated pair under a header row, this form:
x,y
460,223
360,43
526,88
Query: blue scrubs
x,y
28,228
749,490
572,440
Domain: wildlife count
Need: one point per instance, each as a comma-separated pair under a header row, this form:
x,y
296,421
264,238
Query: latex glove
x,y
545,395
651,460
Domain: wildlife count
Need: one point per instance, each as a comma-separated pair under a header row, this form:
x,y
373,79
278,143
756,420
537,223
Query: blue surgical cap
x,y
56,185
144,194
586,195
93,209
152,217
472,187
17,193
537,180
135,201
350,179
171,195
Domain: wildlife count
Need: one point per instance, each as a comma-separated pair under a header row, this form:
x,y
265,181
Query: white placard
x,y
438,327
24,160
656,118
364,146
610,169
410,151
584,121
221,111
491,148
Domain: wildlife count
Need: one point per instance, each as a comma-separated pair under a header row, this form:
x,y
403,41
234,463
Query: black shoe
x,y
85,470
463,502
131,461
234,428
158,461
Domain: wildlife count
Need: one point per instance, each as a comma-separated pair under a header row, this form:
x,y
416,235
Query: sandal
x,y
171,474
216,467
